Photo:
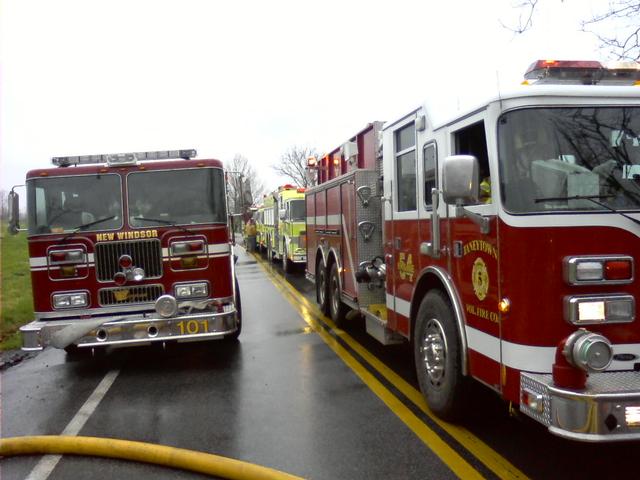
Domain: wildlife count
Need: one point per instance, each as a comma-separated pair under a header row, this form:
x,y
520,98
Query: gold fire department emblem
x,y
480,279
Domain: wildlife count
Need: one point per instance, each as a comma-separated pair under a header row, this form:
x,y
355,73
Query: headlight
x,y
70,300
192,290
588,310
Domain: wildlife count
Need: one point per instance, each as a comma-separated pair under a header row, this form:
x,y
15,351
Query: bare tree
x,y
293,164
243,186
621,17
525,18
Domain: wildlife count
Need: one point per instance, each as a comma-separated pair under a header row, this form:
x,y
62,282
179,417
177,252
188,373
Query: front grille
x,y
129,295
146,254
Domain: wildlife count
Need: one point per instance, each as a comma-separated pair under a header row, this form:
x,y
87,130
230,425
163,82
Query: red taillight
x,y
195,246
125,261
120,278
58,256
618,270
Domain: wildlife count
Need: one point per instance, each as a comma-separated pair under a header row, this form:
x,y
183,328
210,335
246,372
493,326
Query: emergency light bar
x,y
585,72
117,159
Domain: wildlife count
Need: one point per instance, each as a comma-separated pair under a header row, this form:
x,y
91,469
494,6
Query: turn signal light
x,y
67,256
68,271
184,248
189,262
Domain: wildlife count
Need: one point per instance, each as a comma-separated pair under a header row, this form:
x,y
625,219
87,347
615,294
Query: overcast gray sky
x,y
251,77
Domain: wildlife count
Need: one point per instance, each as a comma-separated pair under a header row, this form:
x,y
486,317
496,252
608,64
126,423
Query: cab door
x,y
474,259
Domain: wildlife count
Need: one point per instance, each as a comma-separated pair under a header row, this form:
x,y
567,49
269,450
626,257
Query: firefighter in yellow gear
x,y
485,190
250,235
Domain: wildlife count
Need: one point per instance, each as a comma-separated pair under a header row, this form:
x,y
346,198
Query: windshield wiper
x,y
86,225
591,198
166,222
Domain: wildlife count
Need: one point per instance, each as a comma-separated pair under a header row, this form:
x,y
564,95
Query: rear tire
x,y
337,309
322,288
438,359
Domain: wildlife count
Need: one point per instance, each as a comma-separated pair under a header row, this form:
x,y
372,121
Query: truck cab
x,y
129,249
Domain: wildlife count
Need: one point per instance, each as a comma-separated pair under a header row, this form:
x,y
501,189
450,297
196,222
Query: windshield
x,y
61,204
297,210
176,196
548,155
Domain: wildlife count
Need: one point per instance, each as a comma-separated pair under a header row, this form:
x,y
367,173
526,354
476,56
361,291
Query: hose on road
x,y
199,462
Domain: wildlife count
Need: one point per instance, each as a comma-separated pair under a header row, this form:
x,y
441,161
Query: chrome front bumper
x,y
607,410
136,330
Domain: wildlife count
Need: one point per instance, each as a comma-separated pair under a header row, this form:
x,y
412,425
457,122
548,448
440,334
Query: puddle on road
x,y
297,331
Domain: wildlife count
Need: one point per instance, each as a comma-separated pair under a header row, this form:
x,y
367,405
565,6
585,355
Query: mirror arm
x,y
482,222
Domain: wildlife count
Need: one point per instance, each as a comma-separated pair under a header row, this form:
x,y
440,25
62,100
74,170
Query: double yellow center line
x,y
491,459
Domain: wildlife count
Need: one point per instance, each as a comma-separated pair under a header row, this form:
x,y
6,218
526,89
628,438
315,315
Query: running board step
x,y
376,323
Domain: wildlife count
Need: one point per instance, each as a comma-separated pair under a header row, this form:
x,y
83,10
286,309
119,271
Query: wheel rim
x,y
433,350
321,285
335,295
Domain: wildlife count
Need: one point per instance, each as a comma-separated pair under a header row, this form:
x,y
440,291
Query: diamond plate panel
x,y
367,250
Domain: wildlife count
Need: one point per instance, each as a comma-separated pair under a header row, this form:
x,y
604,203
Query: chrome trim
x,y
58,249
571,308
93,311
150,288
570,265
146,253
67,310
195,282
595,414
134,330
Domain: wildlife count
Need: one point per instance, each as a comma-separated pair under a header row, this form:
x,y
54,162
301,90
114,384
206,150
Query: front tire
x,y
232,337
337,309
438,359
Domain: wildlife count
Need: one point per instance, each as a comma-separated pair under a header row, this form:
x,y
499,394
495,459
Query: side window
x,y
430,172
405,158
472,140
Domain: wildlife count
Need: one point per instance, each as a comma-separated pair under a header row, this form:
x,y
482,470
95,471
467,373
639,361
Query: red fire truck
x,y
501,244
129,249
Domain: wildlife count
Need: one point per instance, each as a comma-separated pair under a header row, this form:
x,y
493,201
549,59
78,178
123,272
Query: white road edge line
x,y
45,466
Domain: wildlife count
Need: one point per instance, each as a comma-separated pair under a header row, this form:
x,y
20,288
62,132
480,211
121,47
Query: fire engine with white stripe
x,y
128,249
501,244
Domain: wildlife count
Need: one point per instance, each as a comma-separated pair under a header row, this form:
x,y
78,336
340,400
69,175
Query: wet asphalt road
x,y
279,397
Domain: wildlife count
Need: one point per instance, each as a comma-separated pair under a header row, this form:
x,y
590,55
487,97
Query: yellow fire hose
x,y
200,462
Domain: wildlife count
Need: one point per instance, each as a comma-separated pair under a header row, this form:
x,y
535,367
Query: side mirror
x,y
282,214
232,230
14,212
461,180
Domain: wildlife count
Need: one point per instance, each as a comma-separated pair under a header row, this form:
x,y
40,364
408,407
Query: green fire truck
x,y
284,226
